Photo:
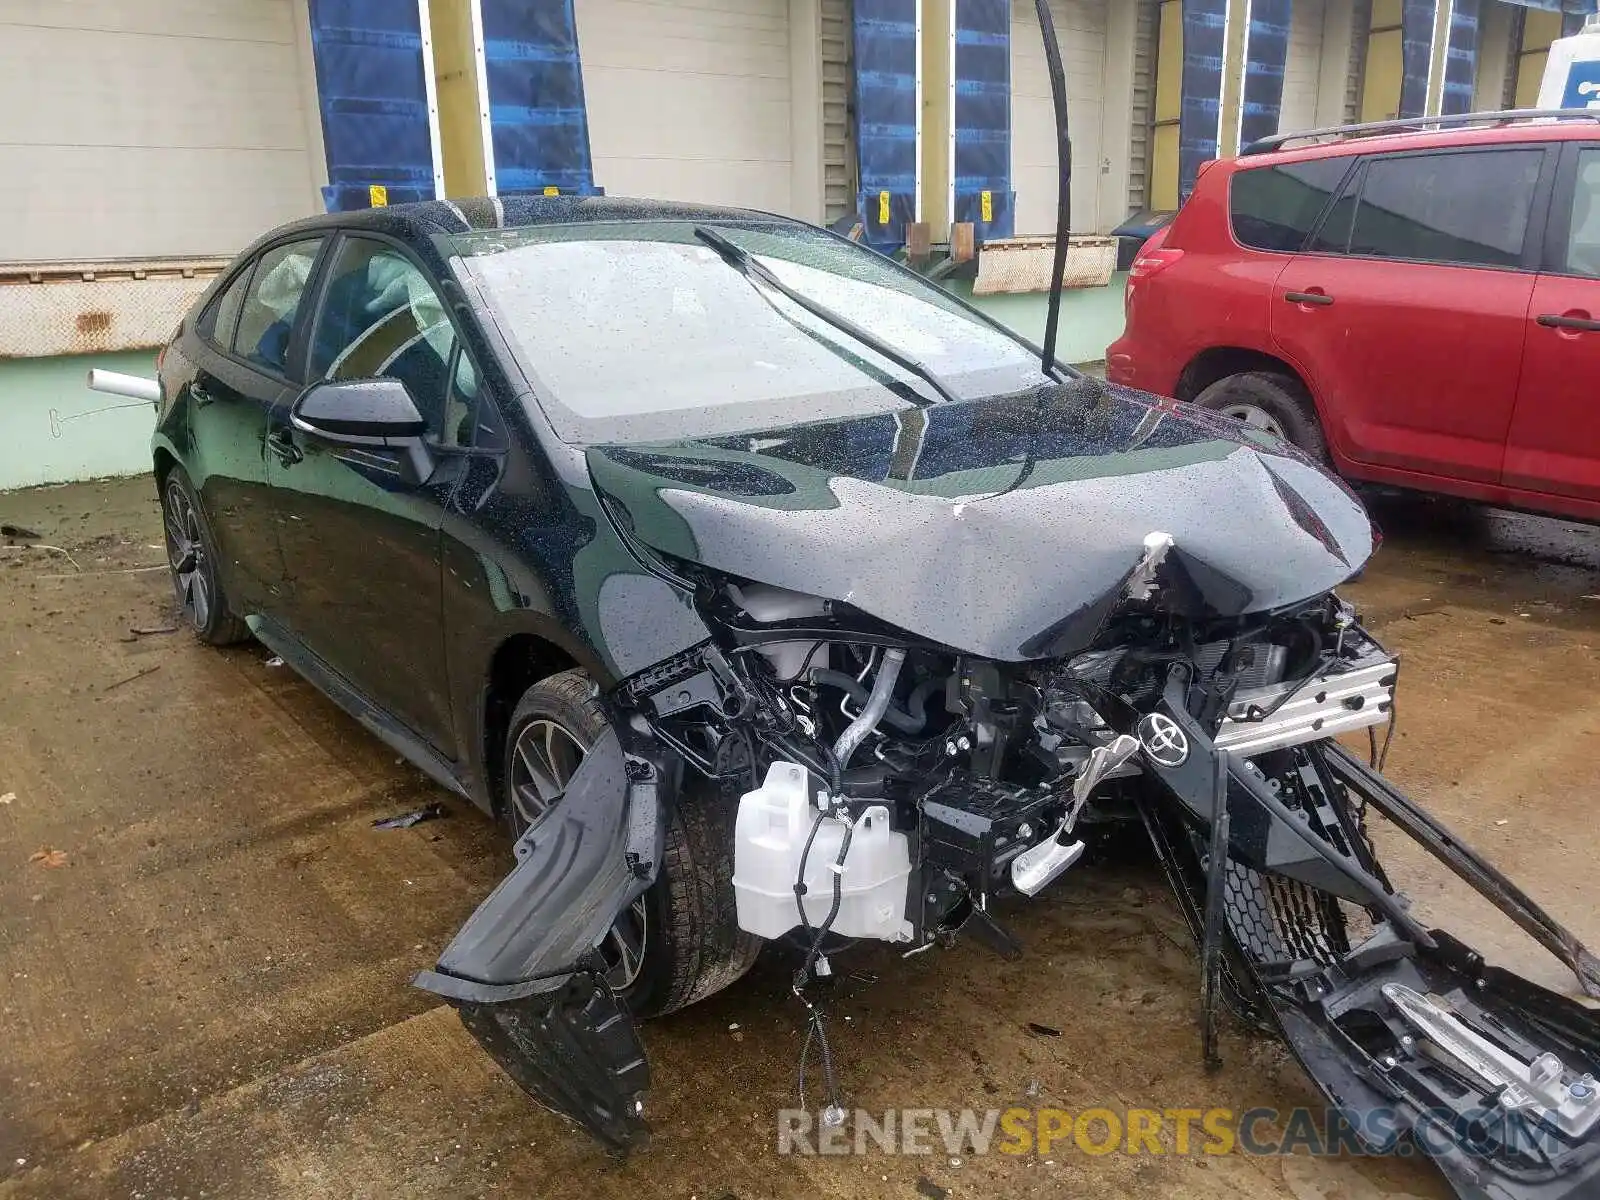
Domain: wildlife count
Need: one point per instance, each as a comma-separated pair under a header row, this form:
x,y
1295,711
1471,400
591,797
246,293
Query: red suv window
x,y
1275,208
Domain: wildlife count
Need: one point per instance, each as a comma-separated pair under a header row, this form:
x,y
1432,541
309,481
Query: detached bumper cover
x,y
523,970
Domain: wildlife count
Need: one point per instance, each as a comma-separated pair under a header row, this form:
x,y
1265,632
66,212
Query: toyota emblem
x,y
1163,739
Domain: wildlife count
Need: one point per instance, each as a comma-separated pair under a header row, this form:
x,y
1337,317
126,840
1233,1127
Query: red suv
x,y
1418,305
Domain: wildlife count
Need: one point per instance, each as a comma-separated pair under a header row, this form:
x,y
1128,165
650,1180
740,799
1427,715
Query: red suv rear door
x,y
1408,309
1554,446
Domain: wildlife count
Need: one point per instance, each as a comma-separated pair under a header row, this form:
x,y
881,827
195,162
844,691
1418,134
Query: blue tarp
x,y
1461,58
538,124
1261,105
373,96
886,117
982,167
1204,33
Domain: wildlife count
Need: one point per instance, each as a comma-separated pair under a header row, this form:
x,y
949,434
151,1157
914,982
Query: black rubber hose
x,y
898,718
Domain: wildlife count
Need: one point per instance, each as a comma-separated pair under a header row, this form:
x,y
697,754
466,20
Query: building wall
x,y
1081,32
689,102
1302,72
145,128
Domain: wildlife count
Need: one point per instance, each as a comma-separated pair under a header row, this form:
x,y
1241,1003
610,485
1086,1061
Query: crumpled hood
x,y
1005,527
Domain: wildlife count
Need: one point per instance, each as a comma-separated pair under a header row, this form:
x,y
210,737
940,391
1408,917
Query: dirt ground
x,y
209,995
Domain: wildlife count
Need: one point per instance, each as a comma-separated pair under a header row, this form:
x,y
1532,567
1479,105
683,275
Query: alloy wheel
x,y
1256,417
543,760
186,552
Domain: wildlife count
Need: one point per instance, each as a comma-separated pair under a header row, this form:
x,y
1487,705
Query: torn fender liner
x,y
524,971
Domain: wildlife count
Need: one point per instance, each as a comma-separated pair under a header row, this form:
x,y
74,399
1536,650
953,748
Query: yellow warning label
x,y
552,191
378,196
986,205
883,208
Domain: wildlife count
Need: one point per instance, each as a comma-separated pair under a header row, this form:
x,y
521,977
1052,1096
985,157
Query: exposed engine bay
x,y
895,790
934,781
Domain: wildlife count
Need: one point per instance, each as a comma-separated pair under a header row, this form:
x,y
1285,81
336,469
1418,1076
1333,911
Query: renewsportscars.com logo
x,y
1484,1132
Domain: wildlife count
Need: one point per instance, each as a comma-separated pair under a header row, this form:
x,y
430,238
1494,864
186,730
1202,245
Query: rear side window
x,y
218,323
272,303
1466,208
1275,208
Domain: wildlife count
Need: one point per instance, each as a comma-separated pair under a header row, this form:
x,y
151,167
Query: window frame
x,y
1558,228
1352,162
306,332
292,374
1534,237
206,328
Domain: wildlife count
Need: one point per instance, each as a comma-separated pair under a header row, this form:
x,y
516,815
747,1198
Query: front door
x,y
361,537
240,380
1554,446
1407,312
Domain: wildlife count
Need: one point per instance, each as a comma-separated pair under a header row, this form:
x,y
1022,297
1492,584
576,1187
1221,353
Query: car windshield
x,y
638,331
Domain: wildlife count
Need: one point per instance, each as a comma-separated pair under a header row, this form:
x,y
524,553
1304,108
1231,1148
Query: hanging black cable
x,y
1058,90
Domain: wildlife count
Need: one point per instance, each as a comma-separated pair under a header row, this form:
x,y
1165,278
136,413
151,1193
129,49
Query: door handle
x,y
198,395
283,447
1321,299
1581,323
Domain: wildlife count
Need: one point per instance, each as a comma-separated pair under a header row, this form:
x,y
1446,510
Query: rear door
x,y
1407,311
241,379
1554,446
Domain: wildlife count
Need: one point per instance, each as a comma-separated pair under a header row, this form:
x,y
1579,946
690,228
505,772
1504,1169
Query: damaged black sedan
x,y
765,591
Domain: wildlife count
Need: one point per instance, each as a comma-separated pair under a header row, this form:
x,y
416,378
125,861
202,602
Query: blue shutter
x,y
886,117
983,117
372,90
1416,55
538,124
1461,58
1266,52
1204,36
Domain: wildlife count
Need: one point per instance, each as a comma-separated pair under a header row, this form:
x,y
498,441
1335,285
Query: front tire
x,y
1270,401
680,941
191,556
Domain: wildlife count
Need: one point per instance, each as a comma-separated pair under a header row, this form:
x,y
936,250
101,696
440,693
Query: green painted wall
x,y
36,448
1091,318
81,443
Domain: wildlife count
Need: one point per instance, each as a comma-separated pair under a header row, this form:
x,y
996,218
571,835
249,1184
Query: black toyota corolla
x,y
767,593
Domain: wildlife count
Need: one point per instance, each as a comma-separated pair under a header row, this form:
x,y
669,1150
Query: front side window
x,y
1583,238
1469,208
636,331
267,316
381,317
1275,208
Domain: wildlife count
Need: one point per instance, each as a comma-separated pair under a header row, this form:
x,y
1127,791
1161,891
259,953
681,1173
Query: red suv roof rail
x,y
1455,121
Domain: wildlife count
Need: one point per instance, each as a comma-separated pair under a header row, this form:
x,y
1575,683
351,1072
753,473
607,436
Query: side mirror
x,y
375,413
357,411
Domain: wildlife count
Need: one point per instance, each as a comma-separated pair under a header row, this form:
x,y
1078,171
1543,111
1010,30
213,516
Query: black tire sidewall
x,y
1282,398
222,627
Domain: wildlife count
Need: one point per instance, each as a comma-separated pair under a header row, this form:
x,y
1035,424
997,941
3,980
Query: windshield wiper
x,y
754,269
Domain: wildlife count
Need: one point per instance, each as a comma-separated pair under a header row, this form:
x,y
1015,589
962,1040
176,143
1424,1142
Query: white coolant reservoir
x,y
769,839
1572,72
767,604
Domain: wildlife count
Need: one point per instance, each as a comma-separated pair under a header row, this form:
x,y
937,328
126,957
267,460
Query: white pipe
x,y
115,383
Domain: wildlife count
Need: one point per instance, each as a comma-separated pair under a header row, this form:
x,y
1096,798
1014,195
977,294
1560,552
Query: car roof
x,y
1384,137
485,213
